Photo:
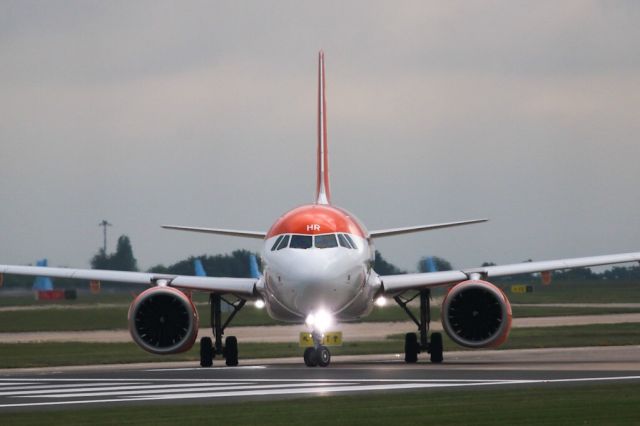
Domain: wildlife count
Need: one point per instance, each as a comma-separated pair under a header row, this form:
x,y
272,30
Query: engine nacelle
x,y
163,320
476,314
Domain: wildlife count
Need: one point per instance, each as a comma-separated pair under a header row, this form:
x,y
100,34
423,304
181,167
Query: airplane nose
x,y
309,281
330,286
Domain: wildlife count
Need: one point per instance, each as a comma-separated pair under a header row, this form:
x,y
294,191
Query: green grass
x,y
84,297
607,404
64,319
561,337
55,354
570,291
122,297
115,318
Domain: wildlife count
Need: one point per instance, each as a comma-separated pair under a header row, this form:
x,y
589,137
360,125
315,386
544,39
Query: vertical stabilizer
x,y
323,193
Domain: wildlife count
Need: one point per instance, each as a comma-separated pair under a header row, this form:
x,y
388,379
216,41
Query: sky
x,y
202,113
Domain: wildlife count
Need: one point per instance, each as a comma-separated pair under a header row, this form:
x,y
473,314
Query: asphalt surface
x,y
176,383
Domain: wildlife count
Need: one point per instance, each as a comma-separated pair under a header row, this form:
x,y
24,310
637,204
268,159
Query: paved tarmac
x,y
163,383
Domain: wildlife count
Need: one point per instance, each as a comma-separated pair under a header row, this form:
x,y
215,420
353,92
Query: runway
x,y
176,383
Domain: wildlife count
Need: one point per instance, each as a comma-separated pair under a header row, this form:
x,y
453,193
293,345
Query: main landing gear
x,y
413,346
208,348
318,355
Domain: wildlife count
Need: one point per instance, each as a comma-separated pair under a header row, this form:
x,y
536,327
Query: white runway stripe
x,y
182,391
248,393
79,392
109,388
307,390
32,386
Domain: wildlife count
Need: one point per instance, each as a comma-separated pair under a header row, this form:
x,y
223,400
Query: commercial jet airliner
x,y
318,270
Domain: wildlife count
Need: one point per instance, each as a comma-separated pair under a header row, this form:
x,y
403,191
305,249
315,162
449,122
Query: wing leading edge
x,y
240,286
409,229
399,283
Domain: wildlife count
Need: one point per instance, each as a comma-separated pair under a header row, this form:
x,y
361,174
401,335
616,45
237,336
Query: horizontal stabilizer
x,y
420,228
231,232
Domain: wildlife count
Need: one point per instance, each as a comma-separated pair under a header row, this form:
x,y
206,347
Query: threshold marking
x,y
51,392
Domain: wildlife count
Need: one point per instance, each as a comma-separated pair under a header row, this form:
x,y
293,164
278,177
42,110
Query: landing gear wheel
x,y
411,348
231,351
206,352
435,348
323,356
310,357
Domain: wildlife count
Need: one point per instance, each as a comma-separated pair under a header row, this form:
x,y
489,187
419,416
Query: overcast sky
x,y
203,114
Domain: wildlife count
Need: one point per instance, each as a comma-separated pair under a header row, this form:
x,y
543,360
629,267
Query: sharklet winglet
x,y
323,192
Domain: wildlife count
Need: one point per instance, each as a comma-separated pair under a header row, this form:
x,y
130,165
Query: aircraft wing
x,y
419,228
399,283
240,286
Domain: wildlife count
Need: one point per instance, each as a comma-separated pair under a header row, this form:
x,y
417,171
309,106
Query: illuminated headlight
x,y
259,303
320,320
381,301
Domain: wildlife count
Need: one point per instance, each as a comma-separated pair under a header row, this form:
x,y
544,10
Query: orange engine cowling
x,y
476,314
163,320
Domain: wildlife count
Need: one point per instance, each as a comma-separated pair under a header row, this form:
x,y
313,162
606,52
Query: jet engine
x,y
163,320
476,314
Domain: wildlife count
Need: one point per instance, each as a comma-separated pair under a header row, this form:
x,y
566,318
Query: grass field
x,y
56,354
115,317
610,404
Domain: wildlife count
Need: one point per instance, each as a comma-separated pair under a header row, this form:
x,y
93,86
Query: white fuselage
x,y
300,281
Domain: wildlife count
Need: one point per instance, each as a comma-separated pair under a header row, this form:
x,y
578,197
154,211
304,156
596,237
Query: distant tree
x,y
439,263
575,274
159,269
121,260
100,260
382,267
622,273
235,264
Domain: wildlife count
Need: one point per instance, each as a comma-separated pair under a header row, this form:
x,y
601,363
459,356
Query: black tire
x,y
411,348
310,357
323,356
206,352
231,351
435,348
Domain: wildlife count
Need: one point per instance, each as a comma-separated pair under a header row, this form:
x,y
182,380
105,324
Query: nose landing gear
x,y
318,355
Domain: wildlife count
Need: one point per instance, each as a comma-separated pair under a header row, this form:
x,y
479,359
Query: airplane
x,y
318,270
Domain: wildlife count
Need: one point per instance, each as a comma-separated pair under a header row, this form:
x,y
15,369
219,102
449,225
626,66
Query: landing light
x,y
381,301
320,320
259,303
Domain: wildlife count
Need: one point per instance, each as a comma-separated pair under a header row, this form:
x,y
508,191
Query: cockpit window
x,y
343,241
325,241
284,243
348,237
277,242
301,241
